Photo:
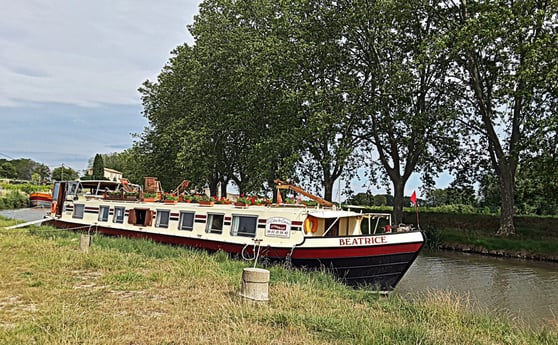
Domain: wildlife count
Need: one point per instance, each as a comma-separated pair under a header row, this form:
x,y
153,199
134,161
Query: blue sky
x,y
70,70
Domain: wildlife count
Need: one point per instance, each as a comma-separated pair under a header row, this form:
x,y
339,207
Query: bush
x,y
14,199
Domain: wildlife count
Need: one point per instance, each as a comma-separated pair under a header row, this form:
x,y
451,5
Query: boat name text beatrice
x,y
362,241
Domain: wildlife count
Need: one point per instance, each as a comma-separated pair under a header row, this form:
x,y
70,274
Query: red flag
x,y
414,198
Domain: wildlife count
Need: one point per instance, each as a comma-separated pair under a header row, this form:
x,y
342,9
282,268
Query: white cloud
x,y
83,53
70,70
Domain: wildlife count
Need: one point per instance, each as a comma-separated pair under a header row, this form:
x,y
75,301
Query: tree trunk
x,y
507,227
223,186
213,183
398,199
328,190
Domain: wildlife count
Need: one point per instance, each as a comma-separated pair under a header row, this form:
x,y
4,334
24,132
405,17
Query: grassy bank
x,y
536,237
137,292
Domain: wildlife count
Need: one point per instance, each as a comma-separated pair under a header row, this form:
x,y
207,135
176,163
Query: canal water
x,y
519,289
524,290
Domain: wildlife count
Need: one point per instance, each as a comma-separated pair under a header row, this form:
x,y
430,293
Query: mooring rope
x,y
256,250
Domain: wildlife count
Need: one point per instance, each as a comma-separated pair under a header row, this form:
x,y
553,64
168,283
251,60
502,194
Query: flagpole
x,y
414,201
416,209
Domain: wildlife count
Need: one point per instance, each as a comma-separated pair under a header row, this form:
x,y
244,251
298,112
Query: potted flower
x,y
131,195
206,200
113,194
243,201
261,201
185,198
223,200
170,198
149,197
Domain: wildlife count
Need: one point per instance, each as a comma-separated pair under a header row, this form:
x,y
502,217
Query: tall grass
x,y
127,291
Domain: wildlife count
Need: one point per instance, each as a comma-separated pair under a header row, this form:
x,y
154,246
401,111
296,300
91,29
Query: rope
x,y
243,251
257,243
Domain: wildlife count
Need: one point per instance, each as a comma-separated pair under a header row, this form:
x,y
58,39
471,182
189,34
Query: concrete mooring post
x,y
255,284
85,242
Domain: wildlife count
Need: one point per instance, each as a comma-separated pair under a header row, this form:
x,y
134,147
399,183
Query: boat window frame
x,y
101,218
236,223
116,218
190,225
158,223
209,228
79,211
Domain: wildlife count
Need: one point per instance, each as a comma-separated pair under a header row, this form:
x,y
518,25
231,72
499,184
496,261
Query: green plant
x,y
207,198
261,201
169,196
14,199
244,200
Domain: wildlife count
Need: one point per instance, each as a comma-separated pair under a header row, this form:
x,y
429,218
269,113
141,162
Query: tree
x,y
328,113
43,171
63,173
401,68
7,170
98,168
224,100
505,57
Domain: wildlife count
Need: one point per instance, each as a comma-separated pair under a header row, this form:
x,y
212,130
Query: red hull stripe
x,y
272,252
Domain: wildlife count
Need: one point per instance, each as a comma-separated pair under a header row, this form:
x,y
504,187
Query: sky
x,y
70,70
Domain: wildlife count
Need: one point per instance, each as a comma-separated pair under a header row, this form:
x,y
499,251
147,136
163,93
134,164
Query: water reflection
x,y
522,289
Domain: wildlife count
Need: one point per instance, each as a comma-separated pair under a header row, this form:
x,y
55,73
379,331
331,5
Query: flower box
x,y
206,203
241,204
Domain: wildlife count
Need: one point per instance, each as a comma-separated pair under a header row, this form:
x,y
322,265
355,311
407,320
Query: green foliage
x,y
98,168
503,57
309,90
13,200
23,169
7,170
27,188
63,173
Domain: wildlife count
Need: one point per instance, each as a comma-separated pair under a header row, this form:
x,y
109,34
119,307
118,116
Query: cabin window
x,y
162,220
186,221
103,213
119,215
72,190
78,211
215,223
244,226
140,216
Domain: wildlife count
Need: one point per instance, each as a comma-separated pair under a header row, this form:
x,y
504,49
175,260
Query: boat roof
x,y
332,213
98,183
342,213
